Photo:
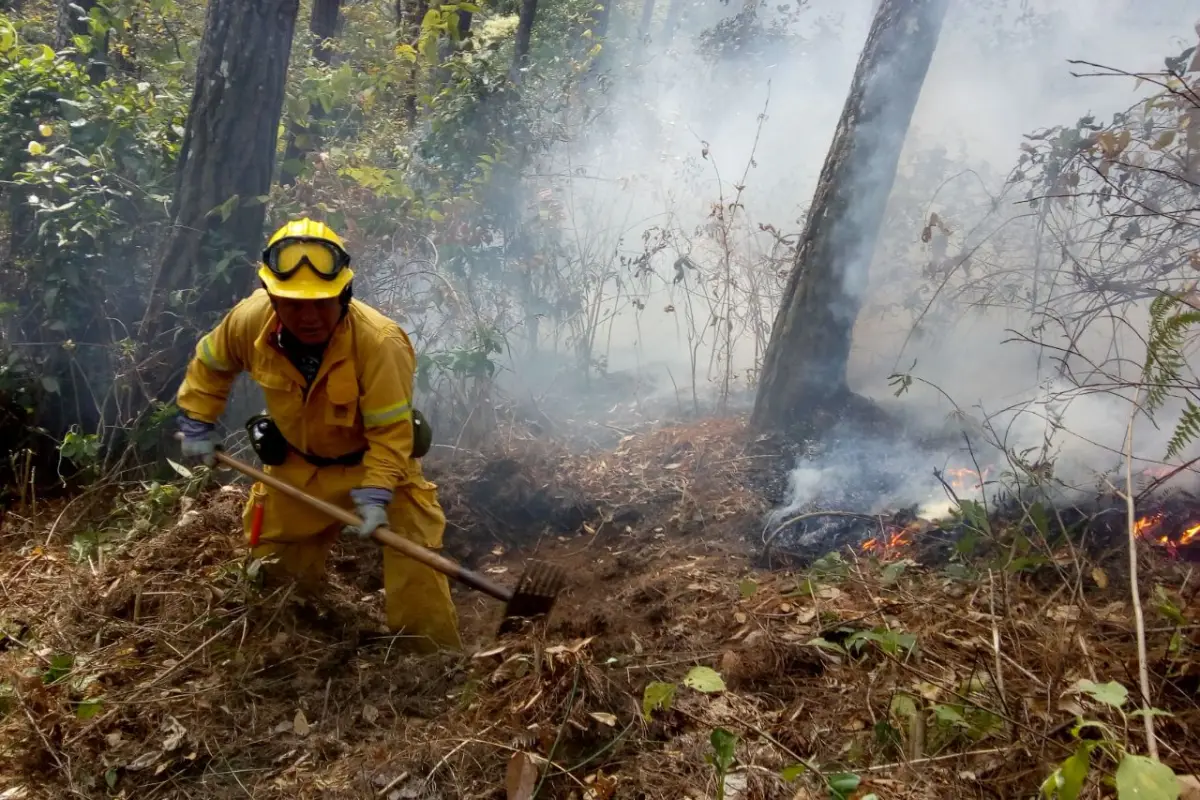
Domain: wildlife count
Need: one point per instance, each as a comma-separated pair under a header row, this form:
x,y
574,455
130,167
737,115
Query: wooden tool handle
x,y
382,535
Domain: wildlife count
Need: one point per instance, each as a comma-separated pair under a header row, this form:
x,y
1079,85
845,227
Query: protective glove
x,y
198,445
371,504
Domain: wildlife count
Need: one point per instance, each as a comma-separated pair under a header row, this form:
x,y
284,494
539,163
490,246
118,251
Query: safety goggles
x,y
285,258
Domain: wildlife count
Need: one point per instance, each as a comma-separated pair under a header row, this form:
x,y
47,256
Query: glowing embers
x,y
894,538
1167,530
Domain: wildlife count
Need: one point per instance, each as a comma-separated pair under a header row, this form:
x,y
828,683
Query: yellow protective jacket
x,y
361,398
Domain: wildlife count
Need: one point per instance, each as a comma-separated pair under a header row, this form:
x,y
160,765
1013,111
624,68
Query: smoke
x,y
686,133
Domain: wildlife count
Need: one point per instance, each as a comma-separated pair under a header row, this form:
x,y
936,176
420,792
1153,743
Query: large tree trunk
x,y
226,163
72,20
805,365
304,136
525,22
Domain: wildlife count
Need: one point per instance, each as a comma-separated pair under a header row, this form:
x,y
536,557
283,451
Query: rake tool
x,y
535,592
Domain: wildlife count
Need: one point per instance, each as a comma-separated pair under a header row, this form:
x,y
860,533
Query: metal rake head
x,y
534,595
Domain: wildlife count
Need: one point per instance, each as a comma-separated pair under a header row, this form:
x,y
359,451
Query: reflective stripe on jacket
x,y
361,398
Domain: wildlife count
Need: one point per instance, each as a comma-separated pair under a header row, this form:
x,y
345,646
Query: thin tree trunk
x,y
410,15
524,34
647,16
674,10
600,18
71,20
805,364
225,165
304,136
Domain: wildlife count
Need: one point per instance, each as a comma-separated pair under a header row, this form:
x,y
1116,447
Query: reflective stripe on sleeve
x,y
208,356
387,415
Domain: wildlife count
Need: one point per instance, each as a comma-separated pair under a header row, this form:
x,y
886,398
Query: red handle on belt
x,y
256,523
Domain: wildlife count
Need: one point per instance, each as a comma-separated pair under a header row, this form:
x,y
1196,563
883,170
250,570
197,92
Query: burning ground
x,y
880,652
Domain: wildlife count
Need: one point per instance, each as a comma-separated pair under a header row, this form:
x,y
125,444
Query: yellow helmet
x,y
300,244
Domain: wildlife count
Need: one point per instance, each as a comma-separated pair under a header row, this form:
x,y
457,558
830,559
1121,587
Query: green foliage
x,y
704,679
657,696
1171,322
1137,777
722,757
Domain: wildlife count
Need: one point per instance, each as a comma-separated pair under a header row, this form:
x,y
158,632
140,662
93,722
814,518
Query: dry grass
x,y
187,678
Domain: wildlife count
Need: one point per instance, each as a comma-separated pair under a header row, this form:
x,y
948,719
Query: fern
x,y
1187,429
1165,364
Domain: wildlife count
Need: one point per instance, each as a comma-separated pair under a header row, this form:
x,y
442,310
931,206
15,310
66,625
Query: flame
x,y
891,539
964,478
1147,527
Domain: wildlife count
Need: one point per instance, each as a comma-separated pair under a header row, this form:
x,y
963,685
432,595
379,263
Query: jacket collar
x,y
337,351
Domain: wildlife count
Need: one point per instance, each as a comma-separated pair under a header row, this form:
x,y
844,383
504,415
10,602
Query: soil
x,y
171,666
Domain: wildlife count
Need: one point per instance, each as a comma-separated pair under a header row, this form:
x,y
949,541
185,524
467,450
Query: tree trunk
x,y
805,365
410,16
225,165
524,34
674,10
647,16
304,136
600,17
71,20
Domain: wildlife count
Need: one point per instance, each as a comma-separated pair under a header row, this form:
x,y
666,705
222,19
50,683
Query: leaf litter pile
x,y
165,664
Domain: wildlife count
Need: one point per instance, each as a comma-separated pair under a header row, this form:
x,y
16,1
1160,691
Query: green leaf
x,y
89,708
793,772
50,384
1141,778
110,777
892,572
1066,782
825,644
842,785
657,695
1111,693
723,743
704,679
180,468
747,588
949,715
904,706
59,667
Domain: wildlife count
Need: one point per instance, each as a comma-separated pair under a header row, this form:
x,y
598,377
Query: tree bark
x,y
410,16
225,165
71,20
647,16
525,22
805,365
674,11
304,136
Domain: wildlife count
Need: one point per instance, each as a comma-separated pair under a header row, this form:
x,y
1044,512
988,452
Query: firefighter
x,y
337,376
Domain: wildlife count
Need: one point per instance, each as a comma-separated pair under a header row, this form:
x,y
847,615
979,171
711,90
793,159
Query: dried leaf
x,y
521,777
370,713
604,719
1100,577
300,723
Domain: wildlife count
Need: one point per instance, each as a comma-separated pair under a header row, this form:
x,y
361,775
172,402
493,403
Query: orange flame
x,y
892,539
964,479
1147,528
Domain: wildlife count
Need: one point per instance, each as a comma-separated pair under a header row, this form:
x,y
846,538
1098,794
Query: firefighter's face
x,y
310,321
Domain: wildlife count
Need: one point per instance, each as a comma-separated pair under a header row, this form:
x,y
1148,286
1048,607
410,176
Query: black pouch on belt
x,y
267,441
422,435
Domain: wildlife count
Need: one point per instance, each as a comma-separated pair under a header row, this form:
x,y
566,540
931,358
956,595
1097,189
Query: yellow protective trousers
x,y
417,598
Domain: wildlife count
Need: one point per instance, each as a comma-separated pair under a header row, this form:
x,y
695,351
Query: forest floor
x,y
145,656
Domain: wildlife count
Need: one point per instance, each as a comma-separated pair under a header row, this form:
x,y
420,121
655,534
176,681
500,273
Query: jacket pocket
x,y
283,397
341,391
